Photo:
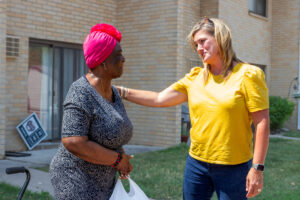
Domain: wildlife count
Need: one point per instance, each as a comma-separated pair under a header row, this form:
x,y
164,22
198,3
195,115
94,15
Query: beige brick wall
x,y
155,48
157,55
16,92
2,77
188,16
251,34
187,58
209,8
66,21
150,49
285,50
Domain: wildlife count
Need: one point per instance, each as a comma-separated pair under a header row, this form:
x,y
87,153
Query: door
x,y
69,65
52,69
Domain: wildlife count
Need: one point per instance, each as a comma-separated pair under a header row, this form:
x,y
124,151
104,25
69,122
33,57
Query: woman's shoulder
x,y
194,72
79,92
250,71
80,84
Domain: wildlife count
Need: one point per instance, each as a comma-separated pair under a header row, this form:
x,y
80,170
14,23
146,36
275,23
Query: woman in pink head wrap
x,y
95,124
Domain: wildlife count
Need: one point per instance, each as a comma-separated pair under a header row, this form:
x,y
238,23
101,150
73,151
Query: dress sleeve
x,y
255,89
183,84
75,122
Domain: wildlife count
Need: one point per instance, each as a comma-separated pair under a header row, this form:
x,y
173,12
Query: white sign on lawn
x,y
32,131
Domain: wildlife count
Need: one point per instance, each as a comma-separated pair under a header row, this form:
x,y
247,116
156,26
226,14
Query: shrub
x,y
281,110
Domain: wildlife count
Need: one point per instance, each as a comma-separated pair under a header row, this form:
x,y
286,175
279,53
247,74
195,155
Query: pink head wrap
x,y
100,43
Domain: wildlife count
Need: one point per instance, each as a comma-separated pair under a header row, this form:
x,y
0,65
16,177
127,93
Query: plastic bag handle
x,y
135,193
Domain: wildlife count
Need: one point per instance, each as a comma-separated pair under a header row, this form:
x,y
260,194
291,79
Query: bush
x,y
281,110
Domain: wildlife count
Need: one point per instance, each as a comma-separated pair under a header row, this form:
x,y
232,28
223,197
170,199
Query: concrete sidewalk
x,y
40,181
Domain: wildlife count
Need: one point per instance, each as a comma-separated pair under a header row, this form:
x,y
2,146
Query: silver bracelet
x,y
122,91
126,92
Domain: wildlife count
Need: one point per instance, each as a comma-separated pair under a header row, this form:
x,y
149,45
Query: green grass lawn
x,y
160,173
282,175
291,133
8,192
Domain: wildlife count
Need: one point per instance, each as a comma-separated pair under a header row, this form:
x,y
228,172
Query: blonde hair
x,y
222,35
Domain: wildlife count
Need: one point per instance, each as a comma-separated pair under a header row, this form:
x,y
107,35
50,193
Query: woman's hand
x,y
254,183
124,167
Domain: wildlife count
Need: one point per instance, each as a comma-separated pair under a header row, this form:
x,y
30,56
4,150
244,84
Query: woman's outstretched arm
x,y
166,98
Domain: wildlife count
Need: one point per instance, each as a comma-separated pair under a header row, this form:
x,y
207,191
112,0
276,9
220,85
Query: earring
x,y
105,68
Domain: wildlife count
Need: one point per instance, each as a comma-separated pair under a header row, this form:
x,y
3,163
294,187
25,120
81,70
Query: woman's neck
x,y
216,68
101,84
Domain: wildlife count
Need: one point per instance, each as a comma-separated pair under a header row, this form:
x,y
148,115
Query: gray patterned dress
x,y
86,113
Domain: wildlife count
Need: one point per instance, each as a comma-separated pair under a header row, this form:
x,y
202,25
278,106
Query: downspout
x,y
298,85
297,95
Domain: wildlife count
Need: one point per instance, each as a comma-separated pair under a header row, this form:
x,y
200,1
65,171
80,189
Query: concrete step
x,y
47,145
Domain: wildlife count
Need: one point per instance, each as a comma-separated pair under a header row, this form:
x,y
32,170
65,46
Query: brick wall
x,y
16,92
66,21
2,77
188,16
150,49
187,58
285,50
157,54
155,48
209,8
251,34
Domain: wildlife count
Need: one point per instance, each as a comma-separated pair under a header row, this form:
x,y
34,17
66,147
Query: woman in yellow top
x,y
225,97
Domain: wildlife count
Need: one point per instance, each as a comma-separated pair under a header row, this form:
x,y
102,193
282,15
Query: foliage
x,y
293,133
8,192
281,110
43,168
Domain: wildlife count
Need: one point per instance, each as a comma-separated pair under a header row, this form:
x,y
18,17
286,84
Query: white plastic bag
x,y
135,192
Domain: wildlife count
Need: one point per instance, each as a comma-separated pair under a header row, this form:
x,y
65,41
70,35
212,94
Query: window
x,y
258,7
12,46
52,68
